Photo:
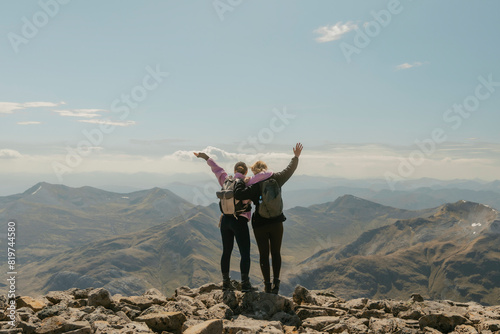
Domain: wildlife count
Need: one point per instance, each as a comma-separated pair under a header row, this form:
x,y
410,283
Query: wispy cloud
x,y
10,154
84,113
29,123
42,104
334,32
107,122
10,107
406,66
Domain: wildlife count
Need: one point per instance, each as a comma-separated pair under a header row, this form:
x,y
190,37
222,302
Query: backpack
x,y
270,203
228,204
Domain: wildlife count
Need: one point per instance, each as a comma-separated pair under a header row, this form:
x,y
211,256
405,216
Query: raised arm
x,y
219,172
286,173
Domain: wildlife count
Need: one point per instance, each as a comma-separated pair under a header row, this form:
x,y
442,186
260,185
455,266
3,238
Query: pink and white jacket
x,y
221,176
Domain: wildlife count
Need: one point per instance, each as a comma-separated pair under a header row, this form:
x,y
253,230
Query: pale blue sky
x,y
358,119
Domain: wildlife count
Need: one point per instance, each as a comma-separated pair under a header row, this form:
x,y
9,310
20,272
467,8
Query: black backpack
x,y
270,202
228,204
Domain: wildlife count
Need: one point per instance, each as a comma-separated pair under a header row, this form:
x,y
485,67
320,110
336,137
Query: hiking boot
x,y
276,286
267,287
246,286
226,282
227,285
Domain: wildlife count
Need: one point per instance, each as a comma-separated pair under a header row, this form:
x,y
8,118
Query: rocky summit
x,y
209,310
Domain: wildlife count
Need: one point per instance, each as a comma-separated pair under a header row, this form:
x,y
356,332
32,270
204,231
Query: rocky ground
x,y
209,310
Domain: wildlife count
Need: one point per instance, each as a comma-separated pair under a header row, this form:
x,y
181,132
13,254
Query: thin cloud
x,y
406,66
107,122
42,104
29,123
10,154
11,107
84,113
334,32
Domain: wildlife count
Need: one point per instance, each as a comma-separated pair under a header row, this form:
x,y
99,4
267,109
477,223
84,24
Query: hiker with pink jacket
x,y
235,226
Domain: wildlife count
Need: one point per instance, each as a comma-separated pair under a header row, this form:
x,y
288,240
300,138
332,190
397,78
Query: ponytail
x,y
241,167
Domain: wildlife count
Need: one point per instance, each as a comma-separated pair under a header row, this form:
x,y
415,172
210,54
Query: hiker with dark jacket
x,y
268,231
232,227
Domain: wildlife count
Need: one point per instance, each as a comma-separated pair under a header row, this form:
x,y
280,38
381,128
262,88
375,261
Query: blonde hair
x,y
258,167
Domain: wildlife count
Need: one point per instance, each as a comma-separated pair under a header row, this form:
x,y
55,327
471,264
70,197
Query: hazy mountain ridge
x,y
64,217
410,199
304,190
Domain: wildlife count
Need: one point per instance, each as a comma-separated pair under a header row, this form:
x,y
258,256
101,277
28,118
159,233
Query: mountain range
x,y
452,254
301,190
83,237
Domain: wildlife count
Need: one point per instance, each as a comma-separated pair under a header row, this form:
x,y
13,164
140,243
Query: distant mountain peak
x,y
353,201
353,205
352,197
463,206
37,187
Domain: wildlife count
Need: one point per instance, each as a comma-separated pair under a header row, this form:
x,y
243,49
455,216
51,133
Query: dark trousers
x,y
230,229
269,239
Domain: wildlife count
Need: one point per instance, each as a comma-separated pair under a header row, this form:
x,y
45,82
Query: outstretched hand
x,y
201,155
298,149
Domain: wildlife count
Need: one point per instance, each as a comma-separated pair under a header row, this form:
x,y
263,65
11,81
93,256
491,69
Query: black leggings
x,y
230,229
269,239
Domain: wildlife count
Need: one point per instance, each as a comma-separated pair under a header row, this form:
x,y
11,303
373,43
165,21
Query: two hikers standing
x,y
267,220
